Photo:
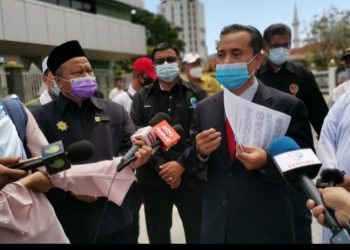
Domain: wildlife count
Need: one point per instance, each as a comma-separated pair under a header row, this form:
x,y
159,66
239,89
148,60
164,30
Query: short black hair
x,y
276,29
165,46
256,42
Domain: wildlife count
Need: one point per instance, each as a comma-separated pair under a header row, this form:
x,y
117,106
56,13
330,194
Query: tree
x,y
331,33
158,30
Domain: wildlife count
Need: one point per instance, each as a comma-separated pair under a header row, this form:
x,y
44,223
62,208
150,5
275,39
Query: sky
x,y
258,13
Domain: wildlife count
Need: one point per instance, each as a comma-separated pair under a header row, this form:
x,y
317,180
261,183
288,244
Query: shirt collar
x,y
64,103
267,67
249,93
131,90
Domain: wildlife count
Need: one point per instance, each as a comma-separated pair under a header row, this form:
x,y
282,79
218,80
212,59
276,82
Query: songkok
x,y
63,53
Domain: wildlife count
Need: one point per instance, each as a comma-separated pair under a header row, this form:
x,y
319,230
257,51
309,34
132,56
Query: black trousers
x,y
158,204
135,205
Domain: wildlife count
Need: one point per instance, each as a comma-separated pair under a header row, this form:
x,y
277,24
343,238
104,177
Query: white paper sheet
x,y
253,124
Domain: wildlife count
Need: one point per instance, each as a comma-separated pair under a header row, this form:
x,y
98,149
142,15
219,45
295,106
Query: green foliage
x,y
332,33
158,30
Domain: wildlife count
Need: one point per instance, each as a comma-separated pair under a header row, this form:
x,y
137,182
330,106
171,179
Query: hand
x,y
38,182
84,198
171,172
207,142
8,175
175,184
317,211
142,156
337,199
251,157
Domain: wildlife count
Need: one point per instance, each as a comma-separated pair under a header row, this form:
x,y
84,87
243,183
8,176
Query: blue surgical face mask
x,y
167,72
279,55
56,89
233,76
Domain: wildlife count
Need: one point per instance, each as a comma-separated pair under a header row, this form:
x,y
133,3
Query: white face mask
x,y
196,72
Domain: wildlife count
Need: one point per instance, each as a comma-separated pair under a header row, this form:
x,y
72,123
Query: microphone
x,y
146,134
330,177
162,134
298,166
55,159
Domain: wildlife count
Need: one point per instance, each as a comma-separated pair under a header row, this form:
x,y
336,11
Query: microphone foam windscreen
x,y
157,118
332,175
179,129
80,151
281,145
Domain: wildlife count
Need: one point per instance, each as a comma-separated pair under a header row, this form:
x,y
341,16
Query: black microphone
x,y
160,116
298,165
330,177
55,159
143,134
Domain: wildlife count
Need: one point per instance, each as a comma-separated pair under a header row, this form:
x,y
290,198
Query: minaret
x,y
296,24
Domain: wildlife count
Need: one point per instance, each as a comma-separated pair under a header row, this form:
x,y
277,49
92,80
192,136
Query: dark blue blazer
x,y
243,206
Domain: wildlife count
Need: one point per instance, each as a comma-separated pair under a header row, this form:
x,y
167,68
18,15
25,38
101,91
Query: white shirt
x,y
45,97
334,141
125,98
115,92
338,92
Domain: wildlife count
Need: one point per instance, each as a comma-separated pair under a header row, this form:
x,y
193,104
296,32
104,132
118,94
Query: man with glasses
x,y
164,181
290,77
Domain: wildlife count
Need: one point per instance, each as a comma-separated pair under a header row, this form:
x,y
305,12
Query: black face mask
x,y
147,81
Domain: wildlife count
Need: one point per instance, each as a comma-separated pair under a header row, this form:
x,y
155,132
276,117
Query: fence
x,y
28,85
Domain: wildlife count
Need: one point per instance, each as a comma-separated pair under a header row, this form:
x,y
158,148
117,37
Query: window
x,y
83,5
77,5
65,3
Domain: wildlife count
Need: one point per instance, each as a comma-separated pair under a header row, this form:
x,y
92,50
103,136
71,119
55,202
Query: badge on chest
x,y
102,119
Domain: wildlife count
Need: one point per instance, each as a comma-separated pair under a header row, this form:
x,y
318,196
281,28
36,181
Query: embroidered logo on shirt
x,y
62,126
294,88
194,102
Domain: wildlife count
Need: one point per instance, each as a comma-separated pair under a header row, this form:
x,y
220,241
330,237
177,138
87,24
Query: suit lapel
x,y
219,117
262,95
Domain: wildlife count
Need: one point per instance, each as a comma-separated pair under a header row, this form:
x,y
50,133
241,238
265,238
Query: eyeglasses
x,y
170,59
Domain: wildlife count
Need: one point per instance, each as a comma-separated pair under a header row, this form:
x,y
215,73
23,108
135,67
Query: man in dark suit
x,y
243,203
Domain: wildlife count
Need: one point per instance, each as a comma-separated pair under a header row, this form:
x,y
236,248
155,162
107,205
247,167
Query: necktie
x,y
231,142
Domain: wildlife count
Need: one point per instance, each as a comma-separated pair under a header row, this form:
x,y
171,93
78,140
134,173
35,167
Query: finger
x,y
321,219
206,133
9,160
16,173
310,204
138,142
210,147
209,137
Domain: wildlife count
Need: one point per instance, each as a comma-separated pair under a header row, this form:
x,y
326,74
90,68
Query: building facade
x,y
30,29
189,16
